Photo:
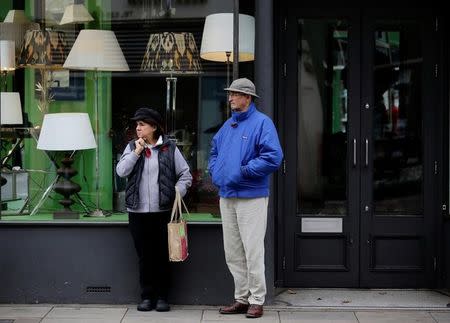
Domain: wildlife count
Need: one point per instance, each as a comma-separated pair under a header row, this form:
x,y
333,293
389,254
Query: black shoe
x,y
162,305
145,305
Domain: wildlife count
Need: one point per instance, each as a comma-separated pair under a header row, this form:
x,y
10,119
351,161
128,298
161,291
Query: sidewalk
x,y
195,314
292,305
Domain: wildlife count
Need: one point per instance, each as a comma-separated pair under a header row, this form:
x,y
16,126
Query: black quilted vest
x,y
166,179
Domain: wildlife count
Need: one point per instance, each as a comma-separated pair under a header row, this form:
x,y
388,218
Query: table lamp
x,y
11,109
10,114
67,132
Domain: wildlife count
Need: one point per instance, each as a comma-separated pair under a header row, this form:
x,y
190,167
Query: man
x,y
245,151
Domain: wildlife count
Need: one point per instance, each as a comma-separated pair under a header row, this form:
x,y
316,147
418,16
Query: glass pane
x,y
161,43
322,117
397,121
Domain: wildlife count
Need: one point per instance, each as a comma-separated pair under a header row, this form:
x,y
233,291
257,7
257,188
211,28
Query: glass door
x,y
359,152
397,175
322,150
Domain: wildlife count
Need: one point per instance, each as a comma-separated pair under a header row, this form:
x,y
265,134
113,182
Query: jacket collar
x,y
241,116
158,143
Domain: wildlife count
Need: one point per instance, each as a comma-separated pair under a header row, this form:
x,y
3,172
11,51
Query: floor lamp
x,y
172,53
96,50
217,40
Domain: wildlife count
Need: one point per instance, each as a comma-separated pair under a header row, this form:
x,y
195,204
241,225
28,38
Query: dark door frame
x,y
288,117
436,144
429,102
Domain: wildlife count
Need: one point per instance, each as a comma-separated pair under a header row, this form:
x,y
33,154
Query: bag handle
x,y
174,217
184,204
176,207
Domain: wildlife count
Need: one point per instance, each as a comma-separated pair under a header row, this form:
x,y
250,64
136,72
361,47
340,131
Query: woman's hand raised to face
x,y
140,145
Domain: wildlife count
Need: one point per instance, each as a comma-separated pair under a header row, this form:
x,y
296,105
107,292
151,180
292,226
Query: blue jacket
x,y
244,152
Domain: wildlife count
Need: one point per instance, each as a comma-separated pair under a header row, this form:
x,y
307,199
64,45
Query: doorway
x,y
360,89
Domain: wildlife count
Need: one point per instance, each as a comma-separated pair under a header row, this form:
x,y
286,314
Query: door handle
x,y
354,152
367,152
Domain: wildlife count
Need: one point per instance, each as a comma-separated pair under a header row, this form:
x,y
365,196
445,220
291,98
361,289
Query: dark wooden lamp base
x,y
66,188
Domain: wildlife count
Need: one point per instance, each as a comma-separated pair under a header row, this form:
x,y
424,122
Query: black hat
x,y
146,114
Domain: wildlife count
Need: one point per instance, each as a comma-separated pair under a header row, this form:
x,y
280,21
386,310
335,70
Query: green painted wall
x,y
5,6
84,160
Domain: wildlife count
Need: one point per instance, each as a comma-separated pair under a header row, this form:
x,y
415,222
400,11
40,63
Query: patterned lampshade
x,y
43,49
15,32
171,52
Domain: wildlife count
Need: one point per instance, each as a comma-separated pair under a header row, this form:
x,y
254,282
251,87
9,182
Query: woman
x,y
153,166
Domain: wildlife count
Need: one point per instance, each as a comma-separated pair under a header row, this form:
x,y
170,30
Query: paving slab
x,y
210,316
354,298
100,313
394,317
318,317
175,315
79,320
25,321
441,317
23,311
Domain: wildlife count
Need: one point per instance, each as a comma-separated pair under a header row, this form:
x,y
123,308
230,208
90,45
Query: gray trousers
x,y
244,224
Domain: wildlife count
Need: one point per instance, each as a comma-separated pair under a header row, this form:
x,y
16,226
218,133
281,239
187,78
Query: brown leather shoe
x,y
235,308
254,311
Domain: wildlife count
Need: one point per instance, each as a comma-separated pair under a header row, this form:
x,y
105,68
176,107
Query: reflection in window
x,y
322,117
397,121
168,38
200,100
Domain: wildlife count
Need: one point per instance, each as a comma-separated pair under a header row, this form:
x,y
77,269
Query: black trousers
x,y
149,231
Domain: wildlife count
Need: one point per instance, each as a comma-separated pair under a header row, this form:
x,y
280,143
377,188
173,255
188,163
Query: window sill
x,y
115,219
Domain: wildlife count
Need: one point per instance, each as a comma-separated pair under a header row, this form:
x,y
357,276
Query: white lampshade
x,y
11,109
217,38
96,50
66,132
7,55
16,16
75,13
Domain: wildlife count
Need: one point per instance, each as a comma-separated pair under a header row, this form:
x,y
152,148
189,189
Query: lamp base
x,y
66,188
66,215
98,213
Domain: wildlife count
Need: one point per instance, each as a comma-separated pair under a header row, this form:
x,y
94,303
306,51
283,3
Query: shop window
x,y
200,103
